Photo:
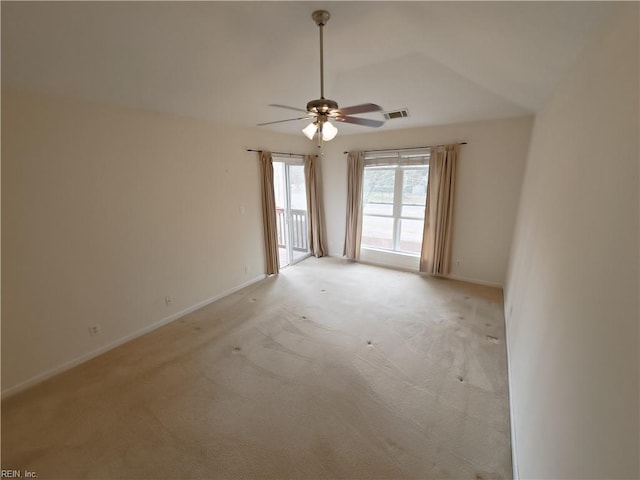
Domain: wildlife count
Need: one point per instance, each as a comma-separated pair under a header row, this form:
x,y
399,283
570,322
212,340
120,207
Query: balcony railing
x,y
298,229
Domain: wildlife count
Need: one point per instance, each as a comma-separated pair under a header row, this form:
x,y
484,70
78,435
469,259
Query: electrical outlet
x,y
94,330
168,300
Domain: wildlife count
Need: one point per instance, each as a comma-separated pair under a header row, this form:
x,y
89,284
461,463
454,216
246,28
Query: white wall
x,y
572,292
489,178
107,210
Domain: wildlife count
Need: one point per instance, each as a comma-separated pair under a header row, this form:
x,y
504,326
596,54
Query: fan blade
x,y
287,107
280,121
364,108
367,122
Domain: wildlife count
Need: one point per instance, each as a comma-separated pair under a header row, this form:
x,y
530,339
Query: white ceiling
x,y
447,62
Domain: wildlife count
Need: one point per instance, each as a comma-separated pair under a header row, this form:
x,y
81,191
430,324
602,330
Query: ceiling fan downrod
x,y
321,17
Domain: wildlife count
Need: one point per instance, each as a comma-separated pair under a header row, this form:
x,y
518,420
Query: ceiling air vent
x,y
403,112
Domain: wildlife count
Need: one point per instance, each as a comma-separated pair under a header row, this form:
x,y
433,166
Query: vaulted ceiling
x,y
447,62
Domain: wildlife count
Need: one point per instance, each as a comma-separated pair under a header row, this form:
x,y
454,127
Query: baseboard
x,y
474,280
127,338
512,424
449,277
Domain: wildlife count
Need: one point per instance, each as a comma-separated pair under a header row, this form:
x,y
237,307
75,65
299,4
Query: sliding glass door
x,y
291,210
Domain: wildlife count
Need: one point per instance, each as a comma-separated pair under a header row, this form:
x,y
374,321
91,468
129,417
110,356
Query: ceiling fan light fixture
x,y
329,131
310,130
325,129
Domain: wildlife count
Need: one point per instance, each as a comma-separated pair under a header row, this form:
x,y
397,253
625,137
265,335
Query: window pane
x,y
378,185
414,191
413,211
378,209
377,232
411,235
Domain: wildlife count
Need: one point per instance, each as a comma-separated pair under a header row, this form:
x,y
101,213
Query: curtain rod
x,y
280,153
410,148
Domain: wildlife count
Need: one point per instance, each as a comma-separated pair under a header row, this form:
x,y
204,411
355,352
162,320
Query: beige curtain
x,y
269,214
435,257
315,226
353,230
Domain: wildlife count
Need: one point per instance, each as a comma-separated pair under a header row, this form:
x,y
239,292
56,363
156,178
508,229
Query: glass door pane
x,y
280,193
297,213
291,212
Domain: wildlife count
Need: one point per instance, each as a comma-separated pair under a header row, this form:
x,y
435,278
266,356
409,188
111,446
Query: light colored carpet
x,y
330,370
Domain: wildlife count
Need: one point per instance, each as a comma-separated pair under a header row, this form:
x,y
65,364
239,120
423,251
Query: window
x,y
394,194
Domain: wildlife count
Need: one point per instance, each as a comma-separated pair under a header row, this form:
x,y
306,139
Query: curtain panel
x,y
353,230
435,257
269,214
315,226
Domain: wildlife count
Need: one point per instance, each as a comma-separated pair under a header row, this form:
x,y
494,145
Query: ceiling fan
x,y
322,110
